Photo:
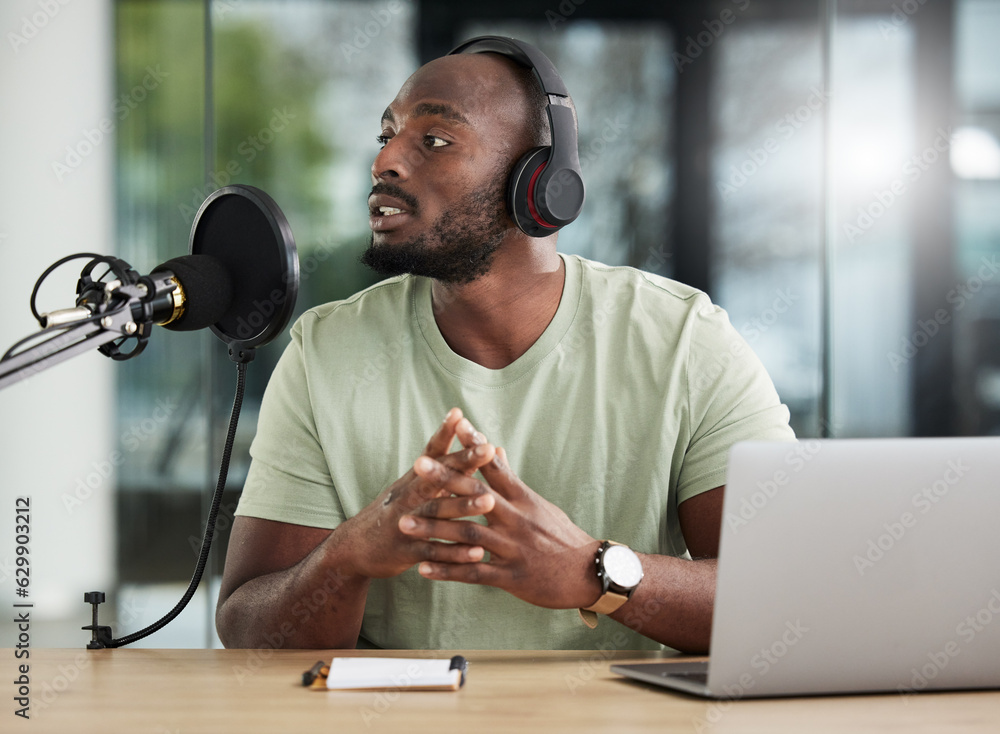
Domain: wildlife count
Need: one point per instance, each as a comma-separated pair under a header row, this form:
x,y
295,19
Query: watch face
x,y
622,566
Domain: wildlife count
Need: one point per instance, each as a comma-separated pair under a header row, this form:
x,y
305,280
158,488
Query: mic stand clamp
x,y
131,322
101,636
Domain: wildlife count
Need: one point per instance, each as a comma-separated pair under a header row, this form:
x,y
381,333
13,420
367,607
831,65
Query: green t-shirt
x,y
624,407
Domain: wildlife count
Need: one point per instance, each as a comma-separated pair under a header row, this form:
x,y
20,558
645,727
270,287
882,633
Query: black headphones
x,y
545,189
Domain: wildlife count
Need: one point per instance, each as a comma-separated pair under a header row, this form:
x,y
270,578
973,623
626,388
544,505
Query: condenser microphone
x,y
183,294
241,280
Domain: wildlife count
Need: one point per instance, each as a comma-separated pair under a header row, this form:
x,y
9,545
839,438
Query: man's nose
x,y
393,161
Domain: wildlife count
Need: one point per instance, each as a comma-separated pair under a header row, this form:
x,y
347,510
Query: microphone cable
x,y
119,267
126,275
206,543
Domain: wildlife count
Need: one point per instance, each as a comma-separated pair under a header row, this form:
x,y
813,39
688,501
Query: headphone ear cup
x,y
520,193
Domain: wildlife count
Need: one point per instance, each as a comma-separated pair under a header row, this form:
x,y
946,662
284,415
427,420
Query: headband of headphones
x,y
545,191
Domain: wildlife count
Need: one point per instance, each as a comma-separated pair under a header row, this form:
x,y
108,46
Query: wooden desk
x,y
188,691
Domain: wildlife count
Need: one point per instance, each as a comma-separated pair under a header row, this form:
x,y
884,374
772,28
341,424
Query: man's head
x,y
450,139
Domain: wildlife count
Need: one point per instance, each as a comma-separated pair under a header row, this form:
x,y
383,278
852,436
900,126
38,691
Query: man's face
x,y
437,204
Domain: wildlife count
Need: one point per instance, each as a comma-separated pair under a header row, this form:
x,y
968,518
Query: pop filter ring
x,y
210,235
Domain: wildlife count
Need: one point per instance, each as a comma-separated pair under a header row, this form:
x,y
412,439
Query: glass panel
x,y
160,77
872,142
975,161
299,87
161,409
767,103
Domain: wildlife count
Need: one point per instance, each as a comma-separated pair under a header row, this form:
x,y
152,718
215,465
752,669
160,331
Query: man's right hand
x,y
378,548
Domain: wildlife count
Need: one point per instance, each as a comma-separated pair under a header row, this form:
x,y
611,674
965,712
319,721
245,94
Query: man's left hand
x,y
536,552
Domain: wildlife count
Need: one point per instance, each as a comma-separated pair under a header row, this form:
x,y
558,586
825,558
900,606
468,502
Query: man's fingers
x,y
467,435
502,479
442,439
449,552
461,532
452,508
469,573
455,425
468,461
436,476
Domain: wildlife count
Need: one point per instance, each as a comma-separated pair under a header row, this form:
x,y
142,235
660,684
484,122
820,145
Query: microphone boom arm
x,y
72,340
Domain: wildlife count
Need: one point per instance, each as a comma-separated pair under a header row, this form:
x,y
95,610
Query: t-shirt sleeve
x,y
731,398
289,478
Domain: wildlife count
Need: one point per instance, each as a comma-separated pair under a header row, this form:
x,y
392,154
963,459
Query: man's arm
x,y
540,556
673,603
289,586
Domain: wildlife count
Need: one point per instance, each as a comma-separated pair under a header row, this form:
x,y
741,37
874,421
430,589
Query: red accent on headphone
x,y
531,199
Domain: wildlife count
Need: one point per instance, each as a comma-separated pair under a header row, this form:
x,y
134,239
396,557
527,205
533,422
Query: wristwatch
x,y
619,570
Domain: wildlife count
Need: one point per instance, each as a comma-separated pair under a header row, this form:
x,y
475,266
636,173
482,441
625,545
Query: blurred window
x,y
702,144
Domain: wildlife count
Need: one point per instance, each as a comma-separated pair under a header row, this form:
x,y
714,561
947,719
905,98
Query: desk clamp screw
x,y
101,636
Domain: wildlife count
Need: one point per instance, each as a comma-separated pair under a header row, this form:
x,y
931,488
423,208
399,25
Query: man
x,y
601,403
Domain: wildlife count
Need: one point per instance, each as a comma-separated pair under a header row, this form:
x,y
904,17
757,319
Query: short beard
x,y
460,246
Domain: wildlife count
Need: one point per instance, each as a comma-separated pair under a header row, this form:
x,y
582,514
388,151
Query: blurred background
x,y
829,172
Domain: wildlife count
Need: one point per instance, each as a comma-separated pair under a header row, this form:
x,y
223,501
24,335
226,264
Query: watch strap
x,y
608,603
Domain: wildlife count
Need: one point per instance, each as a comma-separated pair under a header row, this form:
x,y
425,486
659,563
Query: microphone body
x,y
191,292
183,294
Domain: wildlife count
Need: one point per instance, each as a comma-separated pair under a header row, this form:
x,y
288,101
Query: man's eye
x,y
381,140
432,141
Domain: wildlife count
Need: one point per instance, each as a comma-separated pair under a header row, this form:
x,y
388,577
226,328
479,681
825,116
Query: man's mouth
x,y
387,212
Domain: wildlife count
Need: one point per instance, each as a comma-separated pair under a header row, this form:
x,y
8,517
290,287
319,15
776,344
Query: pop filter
x,y
244,229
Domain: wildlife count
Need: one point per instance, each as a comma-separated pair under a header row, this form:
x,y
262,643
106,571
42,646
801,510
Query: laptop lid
x,y
858,565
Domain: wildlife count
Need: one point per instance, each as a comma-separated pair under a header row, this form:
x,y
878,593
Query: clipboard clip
x,y
319,670
461,664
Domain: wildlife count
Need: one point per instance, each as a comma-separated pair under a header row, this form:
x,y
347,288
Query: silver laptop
x,y
850,566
